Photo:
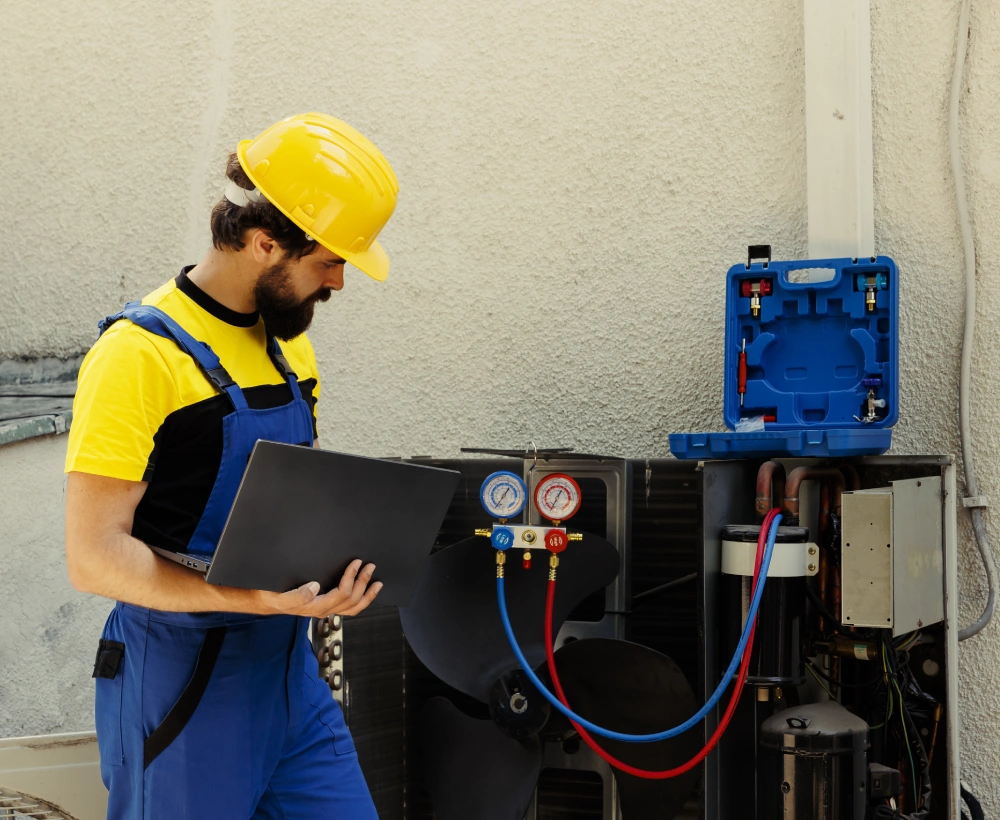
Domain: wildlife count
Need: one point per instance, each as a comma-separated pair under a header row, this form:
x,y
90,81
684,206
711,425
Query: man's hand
x,y
351,596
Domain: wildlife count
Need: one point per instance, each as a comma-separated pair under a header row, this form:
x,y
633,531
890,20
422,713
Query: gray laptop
x,y
303,515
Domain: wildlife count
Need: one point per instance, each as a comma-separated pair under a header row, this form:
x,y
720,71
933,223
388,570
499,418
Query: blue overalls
x,y
216,715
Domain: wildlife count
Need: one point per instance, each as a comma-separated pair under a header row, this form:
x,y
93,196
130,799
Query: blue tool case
x,y
820,374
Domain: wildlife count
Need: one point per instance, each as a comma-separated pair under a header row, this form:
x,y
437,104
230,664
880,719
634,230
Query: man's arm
x,y
103,558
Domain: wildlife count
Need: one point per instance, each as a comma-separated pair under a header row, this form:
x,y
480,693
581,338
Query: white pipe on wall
x,y
839,153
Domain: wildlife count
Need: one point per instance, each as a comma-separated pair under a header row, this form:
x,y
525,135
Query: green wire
x,y
902,718
819,680
906,737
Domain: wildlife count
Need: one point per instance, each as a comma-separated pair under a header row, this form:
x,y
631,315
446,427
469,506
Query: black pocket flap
x,y
109,656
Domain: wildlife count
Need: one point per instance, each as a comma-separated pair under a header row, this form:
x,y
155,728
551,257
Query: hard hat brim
x,y
373,261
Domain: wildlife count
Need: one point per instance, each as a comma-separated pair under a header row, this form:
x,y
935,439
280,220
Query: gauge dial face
x,y
503,494
557,497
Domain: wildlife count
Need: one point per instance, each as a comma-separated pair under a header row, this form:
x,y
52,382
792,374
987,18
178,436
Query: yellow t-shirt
x,y
145,411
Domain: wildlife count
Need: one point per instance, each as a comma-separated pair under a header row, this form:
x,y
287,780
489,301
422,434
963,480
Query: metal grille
x,y
570,795
666,545
15,804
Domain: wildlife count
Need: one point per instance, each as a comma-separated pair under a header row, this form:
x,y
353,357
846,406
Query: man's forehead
x,y
326,255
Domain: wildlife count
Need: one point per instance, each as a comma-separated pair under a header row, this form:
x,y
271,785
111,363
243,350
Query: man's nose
x,y
335,279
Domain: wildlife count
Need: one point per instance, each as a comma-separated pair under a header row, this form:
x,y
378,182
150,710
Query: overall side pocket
x,y
109,670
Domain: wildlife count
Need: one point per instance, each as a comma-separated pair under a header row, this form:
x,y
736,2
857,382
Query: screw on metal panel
x,y
812,550
812,567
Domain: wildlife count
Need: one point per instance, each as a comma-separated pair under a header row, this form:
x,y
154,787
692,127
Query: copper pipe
x,y
835,592
934,734
770,485
824,560
824,508
800,474
851,474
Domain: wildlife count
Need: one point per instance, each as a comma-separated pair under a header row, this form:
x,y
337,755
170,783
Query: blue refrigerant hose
x,y
691,721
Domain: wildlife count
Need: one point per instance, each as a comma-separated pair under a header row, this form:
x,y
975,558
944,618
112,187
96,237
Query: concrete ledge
x,y
63,770
36,397
20,429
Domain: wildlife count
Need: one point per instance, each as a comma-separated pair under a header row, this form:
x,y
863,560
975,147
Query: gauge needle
x,y
506,490
559,492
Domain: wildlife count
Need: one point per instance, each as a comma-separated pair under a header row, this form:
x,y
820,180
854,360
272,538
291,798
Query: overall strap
x,y
183,710
280,362
156,321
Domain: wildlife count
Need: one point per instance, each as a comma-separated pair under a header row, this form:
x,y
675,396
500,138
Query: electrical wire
x,y
975,809
839,684
730,709
819,680
911,736
969,331
664,587
695,719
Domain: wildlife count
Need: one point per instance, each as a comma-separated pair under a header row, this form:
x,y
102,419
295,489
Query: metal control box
x,y
893,556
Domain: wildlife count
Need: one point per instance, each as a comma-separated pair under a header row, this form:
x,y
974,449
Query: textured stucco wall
x,y
576,179
48,631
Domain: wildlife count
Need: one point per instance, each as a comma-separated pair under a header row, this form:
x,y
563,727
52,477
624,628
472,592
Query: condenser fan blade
x,y
453,623
633,689
472,770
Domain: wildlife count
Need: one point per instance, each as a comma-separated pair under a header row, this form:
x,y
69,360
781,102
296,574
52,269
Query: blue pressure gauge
x,y
503,494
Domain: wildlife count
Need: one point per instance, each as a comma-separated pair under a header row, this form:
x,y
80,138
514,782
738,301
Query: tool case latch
x,y
758,252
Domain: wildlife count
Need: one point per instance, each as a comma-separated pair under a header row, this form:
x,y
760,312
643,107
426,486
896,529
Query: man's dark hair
x,y
230,222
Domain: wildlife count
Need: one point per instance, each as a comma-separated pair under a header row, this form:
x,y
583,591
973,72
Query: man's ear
x,y
262,246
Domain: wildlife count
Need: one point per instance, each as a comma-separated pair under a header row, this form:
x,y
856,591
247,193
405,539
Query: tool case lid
x,y
817,343
814,343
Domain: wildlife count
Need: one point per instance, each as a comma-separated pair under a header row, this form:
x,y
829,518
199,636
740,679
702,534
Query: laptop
x,y
303,514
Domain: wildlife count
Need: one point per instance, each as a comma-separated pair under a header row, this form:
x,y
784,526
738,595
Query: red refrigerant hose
x,y
730,709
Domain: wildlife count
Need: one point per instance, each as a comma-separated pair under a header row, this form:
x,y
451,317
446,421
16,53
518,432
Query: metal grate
x,y
667,545
570,795
15,804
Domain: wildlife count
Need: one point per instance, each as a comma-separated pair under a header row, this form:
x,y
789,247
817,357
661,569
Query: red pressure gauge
x,y
557,497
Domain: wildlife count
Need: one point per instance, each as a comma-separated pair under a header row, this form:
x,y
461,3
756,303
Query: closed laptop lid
x,y
304,514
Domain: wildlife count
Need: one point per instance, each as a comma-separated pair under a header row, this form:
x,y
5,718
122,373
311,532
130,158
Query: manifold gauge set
x,y
504,495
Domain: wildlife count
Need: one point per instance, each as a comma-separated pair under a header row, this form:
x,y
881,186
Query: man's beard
x,y
284,315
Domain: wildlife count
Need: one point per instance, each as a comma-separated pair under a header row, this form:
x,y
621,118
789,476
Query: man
x,y
209,702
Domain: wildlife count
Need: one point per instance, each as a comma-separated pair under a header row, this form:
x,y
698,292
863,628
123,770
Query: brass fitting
x,y
501,560
553,563
574,536
484,533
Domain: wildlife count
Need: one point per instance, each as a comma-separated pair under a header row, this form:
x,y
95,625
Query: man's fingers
x,y
346,584
366,599
361,583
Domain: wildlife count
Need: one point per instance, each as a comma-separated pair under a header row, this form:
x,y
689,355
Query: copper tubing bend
x,y
851,474
800,474
770,485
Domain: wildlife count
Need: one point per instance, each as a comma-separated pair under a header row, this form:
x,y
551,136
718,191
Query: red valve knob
x,y
555,541
758,287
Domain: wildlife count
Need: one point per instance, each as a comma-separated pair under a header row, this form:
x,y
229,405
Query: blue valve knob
x,y
502,538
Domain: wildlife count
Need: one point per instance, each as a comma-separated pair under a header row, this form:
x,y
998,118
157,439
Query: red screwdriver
x,y
741,385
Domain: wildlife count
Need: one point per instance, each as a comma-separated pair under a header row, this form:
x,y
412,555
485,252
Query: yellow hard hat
x,y
330,181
